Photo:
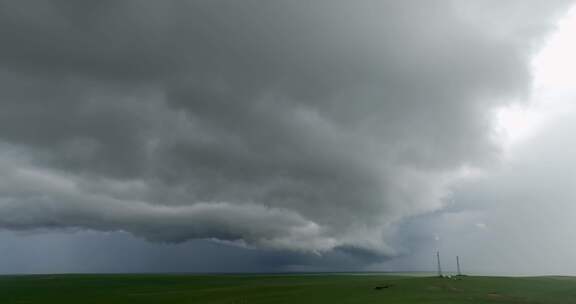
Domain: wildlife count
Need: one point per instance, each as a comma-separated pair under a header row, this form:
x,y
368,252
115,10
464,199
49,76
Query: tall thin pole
x,y
439,266
458,265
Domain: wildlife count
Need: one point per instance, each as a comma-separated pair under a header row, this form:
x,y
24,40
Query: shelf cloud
x,y
295,125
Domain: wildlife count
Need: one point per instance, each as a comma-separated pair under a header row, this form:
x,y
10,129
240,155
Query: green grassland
x,y
251,289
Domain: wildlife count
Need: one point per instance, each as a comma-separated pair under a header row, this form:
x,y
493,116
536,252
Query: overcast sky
x,y
301,135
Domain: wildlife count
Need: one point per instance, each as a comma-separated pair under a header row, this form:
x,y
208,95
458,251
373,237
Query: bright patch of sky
x,y
553,88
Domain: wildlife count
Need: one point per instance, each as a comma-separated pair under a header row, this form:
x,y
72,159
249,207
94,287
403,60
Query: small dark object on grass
x,y
383,287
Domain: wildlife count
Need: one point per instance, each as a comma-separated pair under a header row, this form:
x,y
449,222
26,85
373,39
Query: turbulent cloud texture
x,y
302,125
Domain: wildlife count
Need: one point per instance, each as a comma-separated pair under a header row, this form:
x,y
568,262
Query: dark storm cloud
x,y
307,125
96,252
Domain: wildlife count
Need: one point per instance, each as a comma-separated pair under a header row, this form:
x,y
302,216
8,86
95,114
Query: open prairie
x,y
251,289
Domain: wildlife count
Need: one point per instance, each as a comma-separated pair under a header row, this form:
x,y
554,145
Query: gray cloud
x,y
518,219
97,252
305,125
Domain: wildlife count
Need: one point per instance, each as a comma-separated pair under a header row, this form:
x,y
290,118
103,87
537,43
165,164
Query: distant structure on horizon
x,y
439,265
458,265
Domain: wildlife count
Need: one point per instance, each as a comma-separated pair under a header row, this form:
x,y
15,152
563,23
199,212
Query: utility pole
x,y
458,265
439,266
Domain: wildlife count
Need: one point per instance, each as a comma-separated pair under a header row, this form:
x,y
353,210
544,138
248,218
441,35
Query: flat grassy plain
x,y
252,289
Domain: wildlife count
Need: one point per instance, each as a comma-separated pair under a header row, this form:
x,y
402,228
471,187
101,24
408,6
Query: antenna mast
x,y
439,266
458,265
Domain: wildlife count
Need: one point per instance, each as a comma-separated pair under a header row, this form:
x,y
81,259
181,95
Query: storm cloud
x,y
292,125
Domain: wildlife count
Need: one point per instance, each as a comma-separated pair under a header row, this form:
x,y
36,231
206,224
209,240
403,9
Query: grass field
x,y
244,289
